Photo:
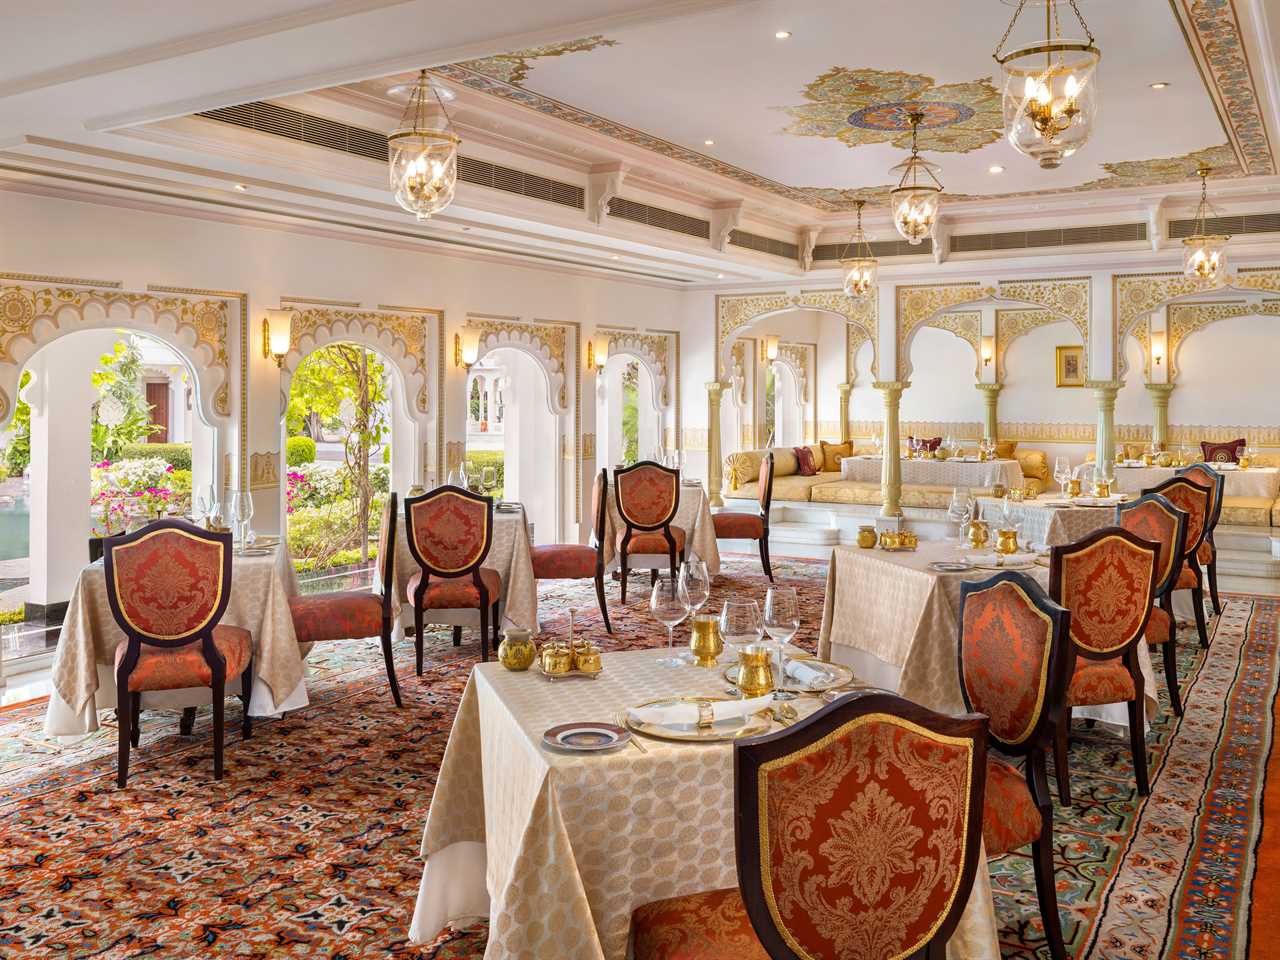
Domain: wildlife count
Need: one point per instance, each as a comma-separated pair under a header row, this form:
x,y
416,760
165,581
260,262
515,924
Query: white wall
x,y
1229,373
942,380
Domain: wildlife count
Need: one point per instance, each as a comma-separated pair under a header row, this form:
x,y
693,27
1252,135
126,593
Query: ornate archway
x,y
544,342
736,314
653,352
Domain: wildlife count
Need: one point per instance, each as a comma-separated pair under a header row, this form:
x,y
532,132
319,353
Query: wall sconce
x,y
1157,346
277,335
769,348
597,352
466,348
988,350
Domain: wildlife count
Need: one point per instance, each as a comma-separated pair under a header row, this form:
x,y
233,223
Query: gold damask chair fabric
x,y
858,835
1207,554
1108,582
1014,652
168,585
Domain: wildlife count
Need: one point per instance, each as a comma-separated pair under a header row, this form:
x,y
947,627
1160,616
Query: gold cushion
x,y
742,468
832,453
1035,465
1246,511
1005,449
796,487
785,461
1266,460
1275,514
847,491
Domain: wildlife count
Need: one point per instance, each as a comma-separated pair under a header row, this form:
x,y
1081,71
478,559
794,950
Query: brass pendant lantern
x,y
1205,254
423,152
1050,95
859,264
916,198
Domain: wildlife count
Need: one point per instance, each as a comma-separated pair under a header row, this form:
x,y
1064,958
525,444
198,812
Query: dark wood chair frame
x,y
1037,744
766,503
749,756
1218,488
1190,557
1128,654
631,527
129,705
1164,590
489,613
601,525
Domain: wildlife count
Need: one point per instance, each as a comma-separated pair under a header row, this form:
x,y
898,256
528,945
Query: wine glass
x,y
200,505
669,605
696,582
877,443
1062,472
241,514
960,509
740,623
782,622
489,479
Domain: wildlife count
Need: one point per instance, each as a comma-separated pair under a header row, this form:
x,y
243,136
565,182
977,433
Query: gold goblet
x,y
705,642
755,670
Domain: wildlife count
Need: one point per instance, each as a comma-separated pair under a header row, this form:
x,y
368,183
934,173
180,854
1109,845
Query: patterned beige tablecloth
x,y
83,675
1052,526
892,608
1254,482
508,557
939,473
693,514
569,845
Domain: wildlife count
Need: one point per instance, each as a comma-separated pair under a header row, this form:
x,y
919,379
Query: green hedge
x,y
299,451
479,459
177,455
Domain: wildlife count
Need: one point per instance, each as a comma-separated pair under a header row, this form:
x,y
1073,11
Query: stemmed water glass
x,y
877,443
200,505
696,582
669,604
241,514
489,480
1062,472
740,623
960,509
782,622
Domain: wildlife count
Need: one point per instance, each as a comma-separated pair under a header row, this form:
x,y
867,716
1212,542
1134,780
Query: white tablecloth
x,y
508,556
896,623
1253,482
693,514
938,473
558,849
1052,526
83,664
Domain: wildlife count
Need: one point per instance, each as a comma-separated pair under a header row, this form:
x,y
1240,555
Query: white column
x,y
891,472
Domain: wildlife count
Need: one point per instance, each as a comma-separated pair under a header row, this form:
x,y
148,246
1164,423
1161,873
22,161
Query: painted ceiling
x,y
821,116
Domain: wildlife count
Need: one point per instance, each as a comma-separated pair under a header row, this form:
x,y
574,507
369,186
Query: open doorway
x,y
628,422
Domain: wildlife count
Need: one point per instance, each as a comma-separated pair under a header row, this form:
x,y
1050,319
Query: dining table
x,y
83,671
952,472
894,621
1263,482
1048,521
693,515
557,849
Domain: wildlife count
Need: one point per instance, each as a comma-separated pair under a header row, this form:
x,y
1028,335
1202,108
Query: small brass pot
x,y
1073,487
586,658
867,537
556,658
888,540
705,642
977,534
516,652
1006,541
755,671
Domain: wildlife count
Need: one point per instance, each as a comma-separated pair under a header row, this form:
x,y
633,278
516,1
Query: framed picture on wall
x,y
1070,366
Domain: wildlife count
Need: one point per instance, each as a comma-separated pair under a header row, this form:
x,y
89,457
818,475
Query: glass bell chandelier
x,y
423,153
1050,91
915,200
1205,257
859,264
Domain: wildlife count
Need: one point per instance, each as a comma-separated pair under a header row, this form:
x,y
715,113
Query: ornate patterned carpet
x,y
309,847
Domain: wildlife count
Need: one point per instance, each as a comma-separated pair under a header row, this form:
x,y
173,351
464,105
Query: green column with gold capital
x,y
990,398
1160,401
715,476
845,389
1104,392
891,470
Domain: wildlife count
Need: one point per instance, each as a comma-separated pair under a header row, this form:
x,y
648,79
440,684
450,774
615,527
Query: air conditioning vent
x,y
1236,226
879,248
657,217
1056,237
280,121
753,241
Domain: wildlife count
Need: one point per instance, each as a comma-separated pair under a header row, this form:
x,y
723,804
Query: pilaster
x,y
990,399
715,478
845,390
1160,403
1104,391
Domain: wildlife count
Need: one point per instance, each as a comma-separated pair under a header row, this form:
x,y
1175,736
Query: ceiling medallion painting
x,y
860,106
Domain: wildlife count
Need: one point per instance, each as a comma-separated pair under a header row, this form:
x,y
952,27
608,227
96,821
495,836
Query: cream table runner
x,y
896,623
1253,482
83,663
693,514
1051,526
938,473
558,849
508,556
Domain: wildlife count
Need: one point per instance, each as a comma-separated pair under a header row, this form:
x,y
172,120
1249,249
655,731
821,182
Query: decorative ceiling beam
x,y
604,182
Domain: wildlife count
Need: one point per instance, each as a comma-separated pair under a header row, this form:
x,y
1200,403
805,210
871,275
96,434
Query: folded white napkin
x,y
805,674
686,714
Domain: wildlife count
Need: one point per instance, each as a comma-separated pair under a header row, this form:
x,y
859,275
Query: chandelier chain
x,y
1057,28
1008,30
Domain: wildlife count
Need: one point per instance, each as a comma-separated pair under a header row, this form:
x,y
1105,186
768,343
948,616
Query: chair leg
x,y
219,705
622,565
187,723
484,632
495,619
417,636
604,609
1197,600
675,567
246,695
124,717
1047,889
1060,768
135,717
764,557
387,626
1171,675
1138,742
1213,586
653,576
457,636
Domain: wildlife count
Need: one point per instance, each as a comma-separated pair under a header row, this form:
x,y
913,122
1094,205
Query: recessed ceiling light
x,y
1159,85
613,256
782,35
995,168
240,188
709,143
719,276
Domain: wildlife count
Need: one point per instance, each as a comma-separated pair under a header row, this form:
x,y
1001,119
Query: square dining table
x,y
558,849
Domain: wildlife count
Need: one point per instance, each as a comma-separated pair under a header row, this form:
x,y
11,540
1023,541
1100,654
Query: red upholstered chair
x,y
577,561
355,614
857,835
1108,582
450,531
1207,555
1014,652
1194,499
168,585
648,494
1154,518
751,526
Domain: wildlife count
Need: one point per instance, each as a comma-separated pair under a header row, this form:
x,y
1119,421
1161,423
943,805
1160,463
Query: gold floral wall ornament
x,y
545,342
1012,324
735,312
654,350
1185,319
513,68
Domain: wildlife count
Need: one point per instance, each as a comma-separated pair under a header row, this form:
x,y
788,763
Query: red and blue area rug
x,y
309,847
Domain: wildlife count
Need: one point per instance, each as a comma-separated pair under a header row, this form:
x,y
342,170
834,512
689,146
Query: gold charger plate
x,y
838,676
721,730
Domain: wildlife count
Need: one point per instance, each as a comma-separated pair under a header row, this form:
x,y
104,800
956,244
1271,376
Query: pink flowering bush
x,y
296,486
124,489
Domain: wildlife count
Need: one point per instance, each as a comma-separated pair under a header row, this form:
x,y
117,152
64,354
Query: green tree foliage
x,y
631,413
18,453
177,455
118,379
299,451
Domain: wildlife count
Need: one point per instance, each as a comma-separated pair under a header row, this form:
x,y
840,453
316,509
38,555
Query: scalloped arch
x,y
641,350
548,356
737,314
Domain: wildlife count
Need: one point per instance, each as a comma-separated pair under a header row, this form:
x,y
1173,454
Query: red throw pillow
x,y
1223,452
931,444
804,457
